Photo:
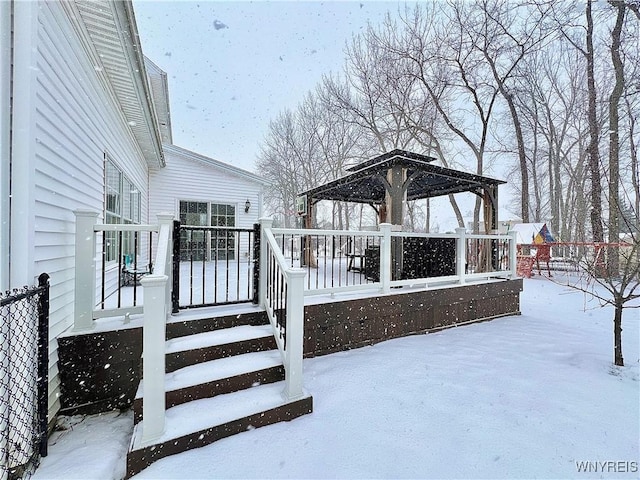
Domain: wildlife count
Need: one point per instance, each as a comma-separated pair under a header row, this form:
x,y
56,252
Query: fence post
x,y
175,291
256,263
385,257
153,348
265,223
461,253
85,271
513,253
294,334
43,361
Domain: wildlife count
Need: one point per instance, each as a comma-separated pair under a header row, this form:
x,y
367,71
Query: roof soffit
x,y
111,27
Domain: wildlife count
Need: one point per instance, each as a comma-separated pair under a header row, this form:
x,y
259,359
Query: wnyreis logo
x,y
606,467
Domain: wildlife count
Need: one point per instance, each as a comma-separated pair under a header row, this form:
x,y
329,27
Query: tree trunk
x,y
522,156
617,336
635,171
594,167
614,147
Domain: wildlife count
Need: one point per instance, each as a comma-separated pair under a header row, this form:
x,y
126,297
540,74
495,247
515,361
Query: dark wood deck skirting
x,y
338,326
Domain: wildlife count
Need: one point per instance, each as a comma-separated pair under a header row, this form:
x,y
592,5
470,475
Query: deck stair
x,y
224,376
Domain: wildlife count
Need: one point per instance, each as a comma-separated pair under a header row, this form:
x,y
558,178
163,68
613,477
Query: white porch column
x,y
385,257
153,356
461,253
85,274
295,334
265,223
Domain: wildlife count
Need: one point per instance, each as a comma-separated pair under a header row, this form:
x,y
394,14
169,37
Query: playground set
x,y
538,249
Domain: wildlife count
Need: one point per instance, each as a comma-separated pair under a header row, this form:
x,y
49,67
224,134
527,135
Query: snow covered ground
x,y
530,396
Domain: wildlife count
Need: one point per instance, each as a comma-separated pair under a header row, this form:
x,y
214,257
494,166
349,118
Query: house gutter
x,y
5,141
124,16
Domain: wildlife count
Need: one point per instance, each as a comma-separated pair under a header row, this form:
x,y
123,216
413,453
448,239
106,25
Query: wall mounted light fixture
x,y
247,206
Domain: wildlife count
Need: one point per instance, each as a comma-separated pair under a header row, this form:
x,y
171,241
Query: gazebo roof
x,y
367,180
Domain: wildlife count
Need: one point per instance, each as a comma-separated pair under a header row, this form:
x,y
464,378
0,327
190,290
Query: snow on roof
x,y
527,233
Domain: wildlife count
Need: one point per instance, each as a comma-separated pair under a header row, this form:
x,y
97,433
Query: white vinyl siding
x,y
188,179
77,121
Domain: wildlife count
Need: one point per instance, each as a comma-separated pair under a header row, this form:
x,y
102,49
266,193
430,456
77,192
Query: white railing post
x,y
294,350
153,356
461,253
265,224
385,257
85,265
166,220
513,253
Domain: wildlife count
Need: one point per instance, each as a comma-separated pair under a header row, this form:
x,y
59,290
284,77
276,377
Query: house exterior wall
x,y
187,178
71,120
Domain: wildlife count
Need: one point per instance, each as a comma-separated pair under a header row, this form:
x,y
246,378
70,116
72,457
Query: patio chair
x,y
132,275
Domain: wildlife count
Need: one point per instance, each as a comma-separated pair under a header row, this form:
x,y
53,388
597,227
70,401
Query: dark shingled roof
x,y
366,183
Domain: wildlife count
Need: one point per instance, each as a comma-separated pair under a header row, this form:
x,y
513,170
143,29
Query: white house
x,y
232,197
83,119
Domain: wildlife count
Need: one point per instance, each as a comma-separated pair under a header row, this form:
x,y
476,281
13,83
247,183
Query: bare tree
x,y
506,35
620,291
614,145
445,63
289,158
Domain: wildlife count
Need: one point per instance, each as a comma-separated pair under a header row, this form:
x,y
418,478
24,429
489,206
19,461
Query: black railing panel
x,y
119,277
333,260
24,367
215,265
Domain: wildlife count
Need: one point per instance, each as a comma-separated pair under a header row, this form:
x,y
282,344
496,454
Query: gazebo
x,y
386,181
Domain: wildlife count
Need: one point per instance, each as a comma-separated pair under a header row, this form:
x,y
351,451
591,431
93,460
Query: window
x,y
215,245
121,205
223,215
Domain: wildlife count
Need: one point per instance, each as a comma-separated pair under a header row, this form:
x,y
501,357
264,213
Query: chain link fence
x,y
24,351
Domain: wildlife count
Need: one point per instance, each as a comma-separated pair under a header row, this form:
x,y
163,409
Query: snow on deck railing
x,y
338,261
109,287
282,296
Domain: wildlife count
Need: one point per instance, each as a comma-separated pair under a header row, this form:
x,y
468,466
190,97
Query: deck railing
x,y
337,261
154,303
282,296
292,264
107,275
213,265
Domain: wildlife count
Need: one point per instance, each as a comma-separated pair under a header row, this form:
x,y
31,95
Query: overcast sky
x,y
233,65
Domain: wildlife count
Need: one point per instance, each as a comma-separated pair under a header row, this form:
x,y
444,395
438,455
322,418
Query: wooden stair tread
x,y
199,415
214,312
218,337
218,369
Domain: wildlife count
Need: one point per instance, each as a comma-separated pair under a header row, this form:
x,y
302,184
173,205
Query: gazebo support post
x,y
396,190
307,254
490,204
